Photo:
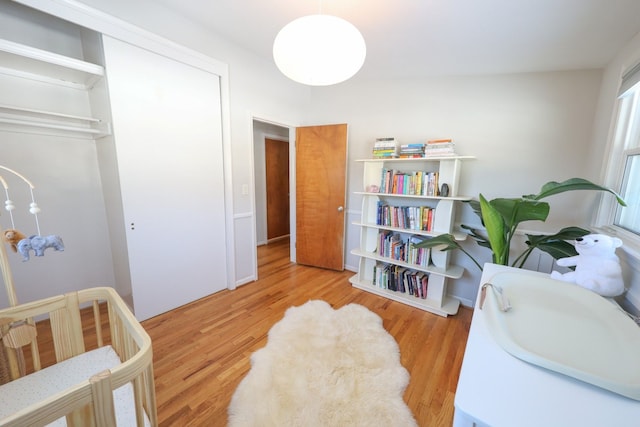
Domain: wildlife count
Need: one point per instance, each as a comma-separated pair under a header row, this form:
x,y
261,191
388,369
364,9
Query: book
x,y
439,147
385,147
381,275
411,150
400,279
421,284
418,256
423,280
417,183
407,217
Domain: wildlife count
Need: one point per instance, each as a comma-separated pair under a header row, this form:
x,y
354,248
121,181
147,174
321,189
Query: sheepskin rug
x,y
324,367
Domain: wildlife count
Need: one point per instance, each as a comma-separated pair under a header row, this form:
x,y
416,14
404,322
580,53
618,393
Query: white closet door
x,y
168,133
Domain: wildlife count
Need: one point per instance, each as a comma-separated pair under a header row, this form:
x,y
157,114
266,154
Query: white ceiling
x,y
434,37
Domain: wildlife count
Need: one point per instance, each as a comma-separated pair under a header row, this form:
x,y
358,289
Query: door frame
x,y
292,185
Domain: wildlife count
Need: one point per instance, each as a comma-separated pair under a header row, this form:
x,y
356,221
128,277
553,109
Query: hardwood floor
x,y
202,350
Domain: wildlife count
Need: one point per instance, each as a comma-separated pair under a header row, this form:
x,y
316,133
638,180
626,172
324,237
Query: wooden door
x,y
276,154
321,160
168,137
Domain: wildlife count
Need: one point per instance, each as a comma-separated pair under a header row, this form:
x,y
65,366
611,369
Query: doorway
x,y
277,185
269,182
326,154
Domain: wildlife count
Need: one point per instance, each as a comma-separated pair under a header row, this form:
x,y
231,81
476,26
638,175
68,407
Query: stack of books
x,y
385,147
405,217
418,183
411,150
439,147
400,279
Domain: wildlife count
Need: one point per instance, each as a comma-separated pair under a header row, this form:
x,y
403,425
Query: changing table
x,y
499,390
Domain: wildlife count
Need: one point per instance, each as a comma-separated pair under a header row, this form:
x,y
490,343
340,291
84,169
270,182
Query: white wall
x,y
65,174
524,129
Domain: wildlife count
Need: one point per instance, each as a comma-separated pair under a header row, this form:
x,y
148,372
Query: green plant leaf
x,y
495,225
501,217
567,233
446,240
572,184
515,211
475,205
479,238
556,244
558,249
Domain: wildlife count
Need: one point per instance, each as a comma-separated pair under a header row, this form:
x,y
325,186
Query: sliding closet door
x,y
168,138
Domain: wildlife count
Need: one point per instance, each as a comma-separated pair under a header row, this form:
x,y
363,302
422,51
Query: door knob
x,y
340,208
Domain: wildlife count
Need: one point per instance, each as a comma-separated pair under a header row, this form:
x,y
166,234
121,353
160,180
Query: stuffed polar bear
x,y
597,265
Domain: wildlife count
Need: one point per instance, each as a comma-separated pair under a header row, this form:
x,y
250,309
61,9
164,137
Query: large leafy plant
x,y
502,216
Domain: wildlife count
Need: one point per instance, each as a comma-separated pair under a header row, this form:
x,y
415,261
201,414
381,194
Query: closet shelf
x,y
28,120
26,61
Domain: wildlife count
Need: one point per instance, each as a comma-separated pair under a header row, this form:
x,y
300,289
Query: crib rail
x,y
89,403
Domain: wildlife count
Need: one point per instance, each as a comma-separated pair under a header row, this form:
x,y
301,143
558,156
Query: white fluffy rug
x,y
324,367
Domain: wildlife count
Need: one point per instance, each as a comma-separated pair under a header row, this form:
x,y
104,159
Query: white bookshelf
x,y
439,269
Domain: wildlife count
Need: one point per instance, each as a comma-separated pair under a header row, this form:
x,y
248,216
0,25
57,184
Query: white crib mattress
x,y
42,384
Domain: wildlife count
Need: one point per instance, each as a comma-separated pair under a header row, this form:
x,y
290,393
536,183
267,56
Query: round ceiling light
x,y
319,50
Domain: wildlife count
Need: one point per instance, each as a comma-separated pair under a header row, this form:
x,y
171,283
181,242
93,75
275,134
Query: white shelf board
x,y
453,272
27,60
449,305
417,159
460,236
12,109
414,196
28,120
82,130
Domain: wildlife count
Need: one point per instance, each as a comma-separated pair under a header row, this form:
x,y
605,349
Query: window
x,y
624,163
629,217
629,162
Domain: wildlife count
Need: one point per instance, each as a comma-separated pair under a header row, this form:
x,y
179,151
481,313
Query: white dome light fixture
x,y
319,50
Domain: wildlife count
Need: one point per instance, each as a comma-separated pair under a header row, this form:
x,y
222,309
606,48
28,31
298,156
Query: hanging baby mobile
x,y
17,240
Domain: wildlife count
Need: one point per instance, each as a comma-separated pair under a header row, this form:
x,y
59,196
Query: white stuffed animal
x,y
597,265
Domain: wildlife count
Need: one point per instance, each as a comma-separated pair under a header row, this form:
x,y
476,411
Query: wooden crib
x,y
103,374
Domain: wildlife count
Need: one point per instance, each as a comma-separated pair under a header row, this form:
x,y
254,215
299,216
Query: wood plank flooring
x,y
202,350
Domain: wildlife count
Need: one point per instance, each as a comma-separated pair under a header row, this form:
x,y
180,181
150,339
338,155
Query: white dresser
x,y
496,389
